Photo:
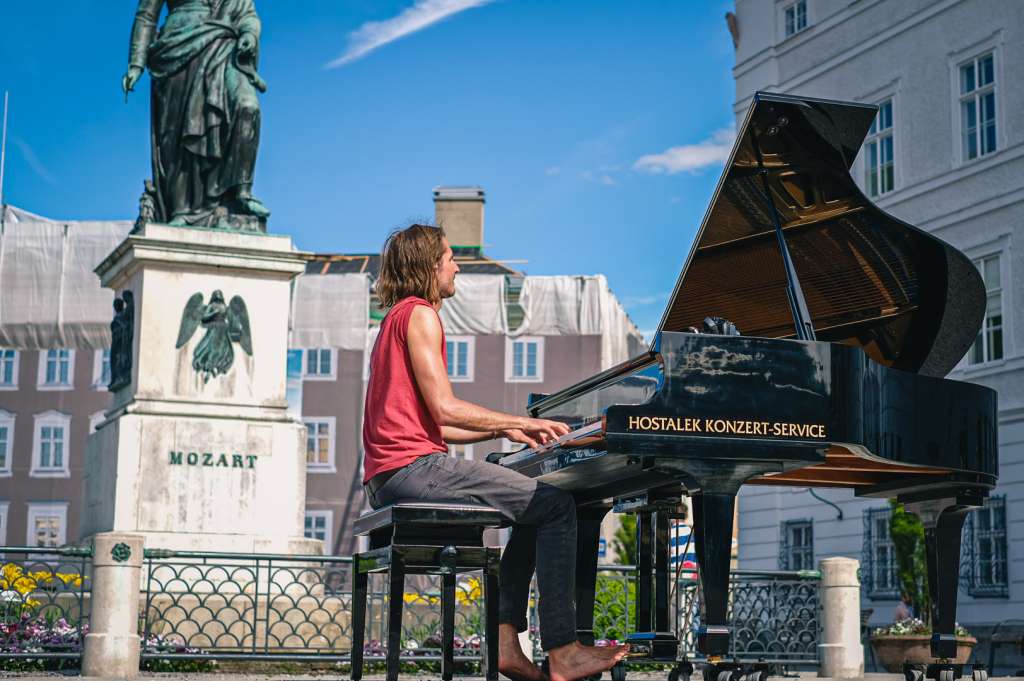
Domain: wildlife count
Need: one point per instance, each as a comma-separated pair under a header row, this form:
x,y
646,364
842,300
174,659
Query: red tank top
x,y
397,426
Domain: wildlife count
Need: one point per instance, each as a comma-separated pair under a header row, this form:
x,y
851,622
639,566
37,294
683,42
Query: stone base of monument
x,y
198,452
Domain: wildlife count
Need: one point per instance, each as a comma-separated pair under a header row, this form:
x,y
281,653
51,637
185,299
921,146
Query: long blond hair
x,y
408,265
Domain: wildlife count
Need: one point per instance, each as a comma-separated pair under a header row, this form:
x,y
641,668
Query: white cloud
x,y
374,34
33,161
599,176
690,157
643,301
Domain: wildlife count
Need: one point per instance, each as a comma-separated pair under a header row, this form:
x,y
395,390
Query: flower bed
x,y
910,641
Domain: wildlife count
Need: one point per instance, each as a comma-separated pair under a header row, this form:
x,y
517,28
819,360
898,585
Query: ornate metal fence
x,y
280,607
44,602
774,614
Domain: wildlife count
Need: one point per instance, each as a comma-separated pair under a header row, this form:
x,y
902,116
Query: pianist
x,y
411,415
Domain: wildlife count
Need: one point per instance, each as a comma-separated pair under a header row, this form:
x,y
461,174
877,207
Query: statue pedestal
x,y
189,460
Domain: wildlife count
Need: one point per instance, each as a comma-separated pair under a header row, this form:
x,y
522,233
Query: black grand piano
x,y
850,319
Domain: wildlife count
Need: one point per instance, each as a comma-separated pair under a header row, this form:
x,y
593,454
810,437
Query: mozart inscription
x,y
213,460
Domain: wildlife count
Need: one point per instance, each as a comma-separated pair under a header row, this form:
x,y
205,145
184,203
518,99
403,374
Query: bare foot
x,y
512,661
574,660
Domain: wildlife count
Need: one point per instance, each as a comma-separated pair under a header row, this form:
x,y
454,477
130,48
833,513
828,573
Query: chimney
x,y
460,212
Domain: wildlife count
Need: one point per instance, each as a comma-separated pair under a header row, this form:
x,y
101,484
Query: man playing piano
x,y
411,415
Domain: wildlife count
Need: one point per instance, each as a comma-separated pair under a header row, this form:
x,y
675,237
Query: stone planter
x,y
892,651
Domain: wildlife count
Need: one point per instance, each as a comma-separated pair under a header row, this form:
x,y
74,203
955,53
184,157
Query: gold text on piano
x,y
686,424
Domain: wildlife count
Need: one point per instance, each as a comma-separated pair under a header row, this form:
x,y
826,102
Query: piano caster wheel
x,y
979,675
756,675
912,673
947,675
681,672
724,671
619,672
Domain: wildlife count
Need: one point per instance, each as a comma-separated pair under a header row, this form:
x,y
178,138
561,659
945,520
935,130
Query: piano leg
x,y
644,568
713,514
588,535
652,579
661,572
943,521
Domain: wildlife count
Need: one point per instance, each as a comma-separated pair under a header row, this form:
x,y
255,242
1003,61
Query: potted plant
x,y
908,640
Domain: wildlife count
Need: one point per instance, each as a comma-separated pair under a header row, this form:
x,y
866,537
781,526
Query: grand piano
x,y
850,320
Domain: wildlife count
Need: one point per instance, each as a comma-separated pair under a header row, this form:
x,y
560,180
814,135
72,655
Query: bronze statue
x,y
225,324
205,115
122,332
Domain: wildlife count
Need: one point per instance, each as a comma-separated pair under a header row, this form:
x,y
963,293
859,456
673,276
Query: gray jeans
x,y
543,536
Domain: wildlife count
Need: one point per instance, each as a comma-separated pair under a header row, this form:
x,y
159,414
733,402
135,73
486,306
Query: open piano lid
x,y
908,299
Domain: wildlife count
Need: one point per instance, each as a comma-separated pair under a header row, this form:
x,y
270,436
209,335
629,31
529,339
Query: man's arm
x,y
424,341
462,436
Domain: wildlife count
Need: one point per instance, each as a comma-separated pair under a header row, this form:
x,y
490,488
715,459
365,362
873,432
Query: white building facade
x,y
946,153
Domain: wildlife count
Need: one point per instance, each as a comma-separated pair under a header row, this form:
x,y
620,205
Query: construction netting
x,y
50,297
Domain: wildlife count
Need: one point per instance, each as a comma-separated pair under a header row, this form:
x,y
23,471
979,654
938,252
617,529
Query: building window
x,y
524,359
514,311
988,346
985,540
878,565
318,526
6,442
50,449
8,369
797,545
47,524
56,369
978,107
461,355
461,451
321,364
101,369
795,16
879,164
320,444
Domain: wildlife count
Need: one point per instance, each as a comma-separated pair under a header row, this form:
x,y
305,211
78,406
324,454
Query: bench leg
x,y
396,601
490,585
359,594
448,626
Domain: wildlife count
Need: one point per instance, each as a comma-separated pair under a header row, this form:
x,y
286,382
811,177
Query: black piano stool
x,y
426,538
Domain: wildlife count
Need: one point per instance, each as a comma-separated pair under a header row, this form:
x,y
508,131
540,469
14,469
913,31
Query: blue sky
x,y
597,128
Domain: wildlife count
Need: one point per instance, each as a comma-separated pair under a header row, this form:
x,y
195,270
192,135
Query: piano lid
x,y
908,299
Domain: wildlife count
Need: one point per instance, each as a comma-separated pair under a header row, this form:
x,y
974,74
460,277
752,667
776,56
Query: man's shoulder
x,y
424,316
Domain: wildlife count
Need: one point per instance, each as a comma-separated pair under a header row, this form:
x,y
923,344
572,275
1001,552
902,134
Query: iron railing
x,y
208,606
44,602
283,607
774,614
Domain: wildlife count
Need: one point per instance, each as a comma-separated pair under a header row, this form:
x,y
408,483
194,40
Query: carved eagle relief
x,y
225,324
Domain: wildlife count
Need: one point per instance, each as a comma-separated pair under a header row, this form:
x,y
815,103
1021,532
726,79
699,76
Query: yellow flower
x,y
469,592
14,577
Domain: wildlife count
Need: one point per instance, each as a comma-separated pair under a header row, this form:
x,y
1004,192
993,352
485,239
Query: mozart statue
x,y
205,126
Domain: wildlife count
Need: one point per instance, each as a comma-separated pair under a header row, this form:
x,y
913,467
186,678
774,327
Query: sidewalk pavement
x,y
327,676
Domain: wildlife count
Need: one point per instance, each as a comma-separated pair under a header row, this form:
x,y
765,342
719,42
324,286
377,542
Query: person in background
x,y
904,609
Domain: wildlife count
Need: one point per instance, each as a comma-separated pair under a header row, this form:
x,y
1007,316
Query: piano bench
x,y
426,538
